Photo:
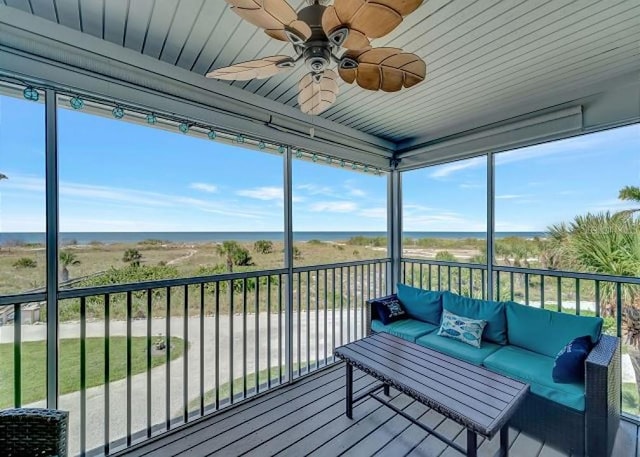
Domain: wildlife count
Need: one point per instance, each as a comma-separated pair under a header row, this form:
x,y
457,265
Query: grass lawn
x,y
34,365
630,400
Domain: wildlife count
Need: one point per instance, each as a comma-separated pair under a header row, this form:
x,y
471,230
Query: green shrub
x,y
25,262
132,257
377,241
445,256
263,247
315,242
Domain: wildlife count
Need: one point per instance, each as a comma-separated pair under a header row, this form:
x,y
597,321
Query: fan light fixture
x,y
318,34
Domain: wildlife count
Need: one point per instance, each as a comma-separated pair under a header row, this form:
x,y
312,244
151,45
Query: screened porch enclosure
x,y
112,142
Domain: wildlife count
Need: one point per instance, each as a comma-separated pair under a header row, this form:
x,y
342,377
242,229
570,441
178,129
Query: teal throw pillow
x,y
462,328
420,304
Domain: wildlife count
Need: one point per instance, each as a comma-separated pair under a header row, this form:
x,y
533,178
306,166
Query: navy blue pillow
x,y
569,364
389,310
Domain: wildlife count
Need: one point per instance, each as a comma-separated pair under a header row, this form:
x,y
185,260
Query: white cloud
x,y
263,193
87,193
204,187
333,207
511,196
376,213
442,171
471,186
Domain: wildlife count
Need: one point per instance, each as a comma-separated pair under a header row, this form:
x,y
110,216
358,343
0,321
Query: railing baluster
x,y
578,296
470,283
325,316
269,332
280,361
201,393
341,306
168,361
299,333
129,371
185,356
231,338
244,338
107,356
83,375
448,278
217,349
348,304
308,332
439,279
512,287
430,278
420,276
526,289
559,294
619,309
484,285
317,319
256,366
597,285
413,277
333,315
460,280
542,291
498,285
17,356
149,362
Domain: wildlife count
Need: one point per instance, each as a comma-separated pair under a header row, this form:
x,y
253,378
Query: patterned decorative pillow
x,y
462,328
390,310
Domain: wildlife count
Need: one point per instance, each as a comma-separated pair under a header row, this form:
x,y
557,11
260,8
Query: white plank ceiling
x,y
481,55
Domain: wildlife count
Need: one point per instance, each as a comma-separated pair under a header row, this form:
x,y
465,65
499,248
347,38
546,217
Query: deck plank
x,y
411,436
308,417
626,440
526,446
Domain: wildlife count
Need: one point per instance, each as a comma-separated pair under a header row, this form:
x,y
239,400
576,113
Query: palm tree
x,y
607,243
132,257
630,193
67,258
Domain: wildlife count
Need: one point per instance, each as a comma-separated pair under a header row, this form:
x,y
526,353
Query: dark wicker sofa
x,y
591,432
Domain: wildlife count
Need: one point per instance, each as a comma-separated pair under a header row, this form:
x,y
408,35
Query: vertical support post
x,y
288,261
51,152
491,221
394,228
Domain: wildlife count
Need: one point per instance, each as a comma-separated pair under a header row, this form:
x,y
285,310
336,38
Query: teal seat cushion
x,y
458,349
547,332
536,370
407,329
490,311
423,305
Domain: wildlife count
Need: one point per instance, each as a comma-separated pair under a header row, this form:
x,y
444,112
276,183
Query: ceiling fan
x,y
318,32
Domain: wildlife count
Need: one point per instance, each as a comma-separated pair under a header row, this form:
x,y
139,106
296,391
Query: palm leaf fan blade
x,y
274,16
387,69
316,96
253,69
366,19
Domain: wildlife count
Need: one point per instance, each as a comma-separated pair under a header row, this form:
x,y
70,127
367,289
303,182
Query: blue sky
x,y
117,176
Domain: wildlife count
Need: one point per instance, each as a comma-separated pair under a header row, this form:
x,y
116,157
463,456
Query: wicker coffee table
x,y
478,399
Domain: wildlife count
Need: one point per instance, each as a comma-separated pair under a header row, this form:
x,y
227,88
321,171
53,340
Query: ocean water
x,y
204,237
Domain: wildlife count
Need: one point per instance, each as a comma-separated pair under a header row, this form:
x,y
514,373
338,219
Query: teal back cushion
x,y
548,332
490,311
424,305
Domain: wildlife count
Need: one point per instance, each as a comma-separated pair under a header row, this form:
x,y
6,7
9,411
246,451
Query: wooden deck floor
x,y
307,418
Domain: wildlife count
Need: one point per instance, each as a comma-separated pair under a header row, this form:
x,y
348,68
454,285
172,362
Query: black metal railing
x,y
139,359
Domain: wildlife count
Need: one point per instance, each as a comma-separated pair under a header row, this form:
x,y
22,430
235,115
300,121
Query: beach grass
x,y
33,365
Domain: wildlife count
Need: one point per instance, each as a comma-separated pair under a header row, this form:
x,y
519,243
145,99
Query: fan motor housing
x,y
317,56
